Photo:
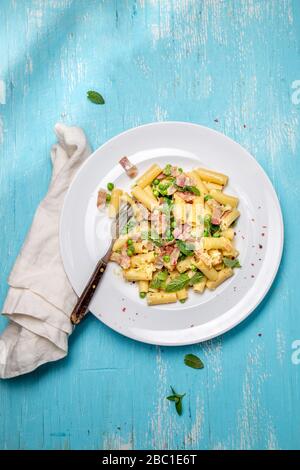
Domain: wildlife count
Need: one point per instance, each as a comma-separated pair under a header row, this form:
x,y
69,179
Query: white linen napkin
x,y
40,298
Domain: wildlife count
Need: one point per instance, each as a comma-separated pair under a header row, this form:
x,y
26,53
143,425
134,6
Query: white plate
x,y
259,234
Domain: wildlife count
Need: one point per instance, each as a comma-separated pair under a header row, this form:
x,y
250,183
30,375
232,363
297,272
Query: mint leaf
x,y
177,399
178,406
158,281
190,189
207,197
95,97
173,398
193,361
231,263
210,229
197,277
186,249
177,283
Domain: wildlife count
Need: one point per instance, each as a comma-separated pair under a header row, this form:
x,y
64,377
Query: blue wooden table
x,y
233,65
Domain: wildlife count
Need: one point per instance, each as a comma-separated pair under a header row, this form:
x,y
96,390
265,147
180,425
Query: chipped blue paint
x,y
229,65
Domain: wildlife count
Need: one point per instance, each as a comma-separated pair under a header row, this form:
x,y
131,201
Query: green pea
x,y
162,186
130,252
174,224
142,295
166,258
110,186
129,242
180,170
155,192
167,169
194,268
182,301
156,182
108,197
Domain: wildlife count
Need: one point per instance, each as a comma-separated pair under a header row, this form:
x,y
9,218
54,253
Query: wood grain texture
x,y
229,65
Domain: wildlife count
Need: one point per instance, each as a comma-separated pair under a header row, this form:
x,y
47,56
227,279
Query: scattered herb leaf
x,y
177,283
209,228
178,406
173,398
197,277
207,197
232,263
159,280
177,399
186,249
95,97
190,189
193,361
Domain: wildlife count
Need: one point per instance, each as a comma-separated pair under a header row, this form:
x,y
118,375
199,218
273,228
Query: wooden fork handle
x,y
84,300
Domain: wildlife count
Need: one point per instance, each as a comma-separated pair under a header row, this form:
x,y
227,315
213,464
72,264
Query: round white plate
x,y
83,238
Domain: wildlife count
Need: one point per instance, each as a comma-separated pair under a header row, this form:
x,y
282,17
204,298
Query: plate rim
x,y
264,292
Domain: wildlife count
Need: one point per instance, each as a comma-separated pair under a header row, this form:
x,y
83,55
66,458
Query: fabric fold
x,y
40,298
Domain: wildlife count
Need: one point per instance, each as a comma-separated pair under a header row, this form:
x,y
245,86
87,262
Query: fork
x,y
85,298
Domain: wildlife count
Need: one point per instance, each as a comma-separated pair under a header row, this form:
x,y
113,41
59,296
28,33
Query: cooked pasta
x,y
224,199
180,237
148,176
115,202
212,176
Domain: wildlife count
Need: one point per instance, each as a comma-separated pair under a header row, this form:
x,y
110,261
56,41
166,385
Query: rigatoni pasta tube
x,y
139,260
221,243
229,233
185,264
211,186
156,298
148,176
197,211
198,182
222,276
120,242
233,253
143,197
114,204
135,209
140,274
179,209
229,218
210,273
140,247
200,286
148,191
224,198
219,267
207,209
182,294
143,286
212,176
126,198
